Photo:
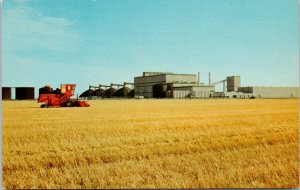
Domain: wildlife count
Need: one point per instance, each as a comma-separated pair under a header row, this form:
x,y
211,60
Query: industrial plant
x,y
170,85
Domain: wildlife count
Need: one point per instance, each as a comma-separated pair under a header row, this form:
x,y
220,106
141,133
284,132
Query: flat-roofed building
x,y
170,85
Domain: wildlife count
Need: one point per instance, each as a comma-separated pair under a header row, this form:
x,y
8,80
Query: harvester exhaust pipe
x,y
209,82
198,78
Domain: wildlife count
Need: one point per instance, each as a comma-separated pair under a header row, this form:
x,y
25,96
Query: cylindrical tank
x,y
6,93
109,92
24,93
87,93
169,93
131,94
98,92
122,92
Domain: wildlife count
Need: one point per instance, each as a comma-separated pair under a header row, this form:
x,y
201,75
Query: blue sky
x,y
111,41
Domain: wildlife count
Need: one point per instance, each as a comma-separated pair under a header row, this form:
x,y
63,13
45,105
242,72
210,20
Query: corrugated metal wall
x,y
276,92
181,93
202,94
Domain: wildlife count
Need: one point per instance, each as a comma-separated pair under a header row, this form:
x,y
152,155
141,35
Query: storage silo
x,y
6,93
87,93
99,92
109,92
24,93
169,93
130,94
122,92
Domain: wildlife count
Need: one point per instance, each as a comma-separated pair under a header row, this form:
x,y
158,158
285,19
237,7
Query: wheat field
x,y
152,144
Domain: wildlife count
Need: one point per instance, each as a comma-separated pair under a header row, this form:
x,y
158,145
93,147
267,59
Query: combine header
x,y
60,97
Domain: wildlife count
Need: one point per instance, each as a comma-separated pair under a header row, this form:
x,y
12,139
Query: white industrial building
x,y
170,85
270,92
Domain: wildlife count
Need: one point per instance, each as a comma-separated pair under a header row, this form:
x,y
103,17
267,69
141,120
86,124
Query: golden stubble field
x,y
152,144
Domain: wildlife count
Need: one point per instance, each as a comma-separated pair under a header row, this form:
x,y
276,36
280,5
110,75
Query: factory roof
x,y
161,74
192,86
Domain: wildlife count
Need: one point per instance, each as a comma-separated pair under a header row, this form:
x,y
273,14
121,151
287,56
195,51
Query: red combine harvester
x,y
60,97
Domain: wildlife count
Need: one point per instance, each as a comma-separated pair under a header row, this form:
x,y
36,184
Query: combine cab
x,y
60,97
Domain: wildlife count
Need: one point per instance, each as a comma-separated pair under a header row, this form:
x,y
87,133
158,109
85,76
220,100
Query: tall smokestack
x,y
209,79
198,78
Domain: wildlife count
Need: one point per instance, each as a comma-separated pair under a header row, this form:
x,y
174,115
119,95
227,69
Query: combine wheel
x,y
44,106
69,104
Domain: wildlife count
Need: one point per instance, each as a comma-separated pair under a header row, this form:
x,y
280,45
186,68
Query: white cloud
x,y
25,28
57,21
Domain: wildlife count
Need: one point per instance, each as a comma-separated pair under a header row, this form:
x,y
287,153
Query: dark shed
x,y
24,93
6,93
